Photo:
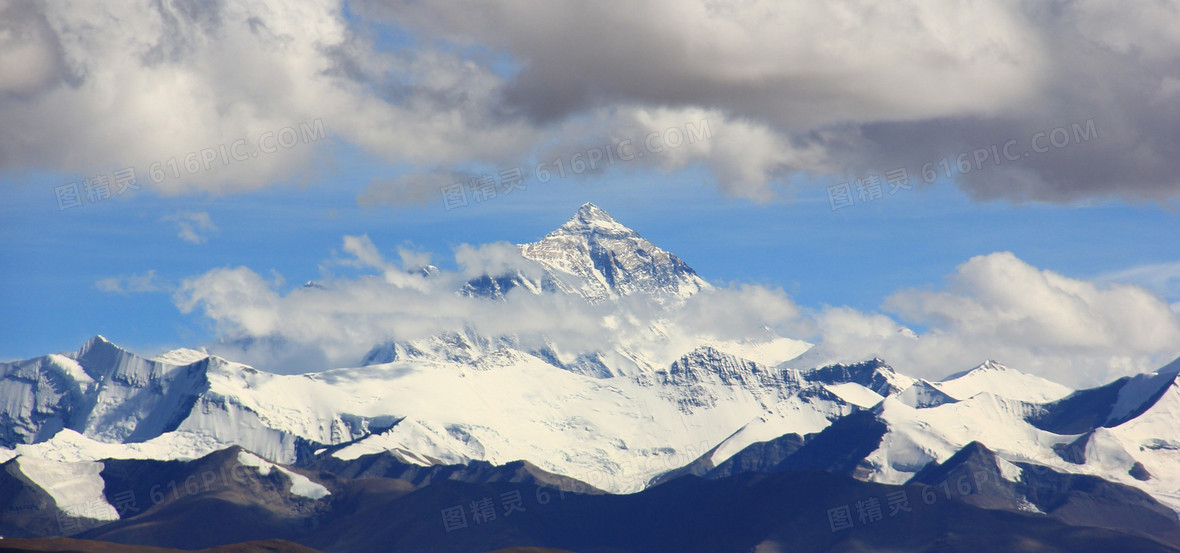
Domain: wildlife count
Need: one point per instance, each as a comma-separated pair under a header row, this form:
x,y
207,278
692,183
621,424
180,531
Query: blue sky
x,y
854,256
262,135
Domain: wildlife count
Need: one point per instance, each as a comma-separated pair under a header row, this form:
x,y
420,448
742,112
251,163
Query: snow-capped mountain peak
x,y
102,391
1002,381
591,219
989,366
599,258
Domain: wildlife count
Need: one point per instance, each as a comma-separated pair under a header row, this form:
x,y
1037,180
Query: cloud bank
x,y
998,307
995,306
791,89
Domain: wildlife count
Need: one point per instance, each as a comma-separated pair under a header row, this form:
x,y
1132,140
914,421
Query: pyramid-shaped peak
x,y
597,257
99,356
1002,381
591,219
989,366
98,345
589,210
974,457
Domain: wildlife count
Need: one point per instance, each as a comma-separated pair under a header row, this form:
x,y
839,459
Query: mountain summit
x,y
1000,380
599,258
591,219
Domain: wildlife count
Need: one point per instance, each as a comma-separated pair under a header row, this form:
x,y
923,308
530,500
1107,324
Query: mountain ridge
x,y
618,419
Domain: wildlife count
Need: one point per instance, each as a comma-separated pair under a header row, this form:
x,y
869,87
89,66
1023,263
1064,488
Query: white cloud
x,y
124,285
237,298
747,157
740,312
336,322
151,84
498,258
999,307
192,226
994,306
1161,278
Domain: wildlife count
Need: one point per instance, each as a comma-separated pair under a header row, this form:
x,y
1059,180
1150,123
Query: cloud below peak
x,y
996,306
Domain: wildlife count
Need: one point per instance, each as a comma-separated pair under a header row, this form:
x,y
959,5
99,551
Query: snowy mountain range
x,y
620,419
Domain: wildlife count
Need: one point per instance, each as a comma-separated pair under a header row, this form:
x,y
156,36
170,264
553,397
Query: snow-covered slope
x,y
615,432
1145,450
500,406
301,485
917,437
76,487
924,394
